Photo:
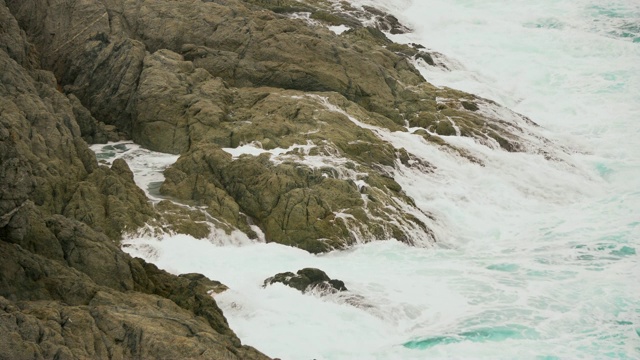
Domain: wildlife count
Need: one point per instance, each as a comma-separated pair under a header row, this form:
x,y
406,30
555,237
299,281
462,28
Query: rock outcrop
x,y
308,280
66,289
316,282
203,79
79,306
193,77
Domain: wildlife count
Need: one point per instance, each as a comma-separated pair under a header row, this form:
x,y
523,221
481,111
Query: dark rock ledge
x,y
66,289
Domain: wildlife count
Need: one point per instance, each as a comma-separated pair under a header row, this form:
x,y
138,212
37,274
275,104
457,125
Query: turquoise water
x,y
536,259
573,67
500,333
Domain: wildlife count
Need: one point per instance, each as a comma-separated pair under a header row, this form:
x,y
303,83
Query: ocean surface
x,y
537,258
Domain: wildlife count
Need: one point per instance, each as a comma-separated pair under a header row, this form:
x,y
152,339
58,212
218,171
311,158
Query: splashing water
x,y
537,259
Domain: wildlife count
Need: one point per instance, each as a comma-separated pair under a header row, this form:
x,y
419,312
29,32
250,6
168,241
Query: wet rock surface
x,y
66,289
201,79
308,280
193,77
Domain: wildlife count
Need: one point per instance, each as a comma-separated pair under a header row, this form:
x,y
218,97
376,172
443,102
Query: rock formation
x,y
66,290
198,78
306,280
192,77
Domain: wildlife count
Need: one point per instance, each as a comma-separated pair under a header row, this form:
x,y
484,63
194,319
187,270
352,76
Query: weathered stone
x,y
308,279
96,294
13,40
66,289
192,77
183,220
243,46
109,200
177,104
91,130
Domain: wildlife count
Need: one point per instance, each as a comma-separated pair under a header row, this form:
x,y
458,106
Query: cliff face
x,y
66,290
193,77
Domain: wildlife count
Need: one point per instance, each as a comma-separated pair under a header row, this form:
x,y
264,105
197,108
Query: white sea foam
x,y
147,166
339,29
537,258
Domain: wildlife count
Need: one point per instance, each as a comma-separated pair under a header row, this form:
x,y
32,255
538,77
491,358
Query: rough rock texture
x,y
315,206
97,52
195,78
308,279
66,290
44,159
335,13
79,308
191,77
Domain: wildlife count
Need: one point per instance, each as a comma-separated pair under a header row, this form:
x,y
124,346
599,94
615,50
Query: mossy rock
x,y
369,35
110,201
504,143
470,105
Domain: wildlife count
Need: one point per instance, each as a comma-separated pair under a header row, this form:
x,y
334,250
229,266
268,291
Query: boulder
x,y
177,105
308,280
314,207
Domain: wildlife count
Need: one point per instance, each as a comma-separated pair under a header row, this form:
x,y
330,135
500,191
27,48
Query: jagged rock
x,y
293,203
87,52
177,104
170,104
109,200
316,209
103,64
179,219
336,13
308,279
181,79
13,40
66,289
54,311
92,131
40,157
45,160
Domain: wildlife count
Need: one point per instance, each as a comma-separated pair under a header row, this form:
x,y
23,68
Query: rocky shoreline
x,y
194,78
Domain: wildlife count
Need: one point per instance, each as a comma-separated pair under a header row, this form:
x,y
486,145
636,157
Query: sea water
x,y
536,258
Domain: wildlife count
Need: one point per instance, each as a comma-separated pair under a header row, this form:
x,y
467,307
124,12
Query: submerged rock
x,y
308,280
